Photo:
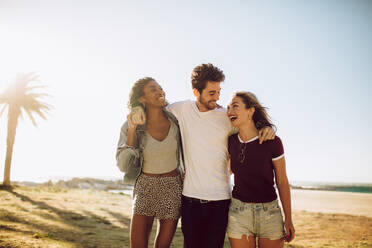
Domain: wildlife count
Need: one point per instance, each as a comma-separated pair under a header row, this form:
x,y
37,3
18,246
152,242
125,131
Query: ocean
x,y
306,185
343,187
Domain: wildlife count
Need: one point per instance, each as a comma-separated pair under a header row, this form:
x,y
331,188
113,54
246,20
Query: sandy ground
x,y
51,217
359,204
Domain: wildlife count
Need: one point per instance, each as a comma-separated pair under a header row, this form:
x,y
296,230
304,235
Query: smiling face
x,y
153,95
238,112
207,100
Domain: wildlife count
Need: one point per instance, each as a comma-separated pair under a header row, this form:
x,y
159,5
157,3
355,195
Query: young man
x,y
205,128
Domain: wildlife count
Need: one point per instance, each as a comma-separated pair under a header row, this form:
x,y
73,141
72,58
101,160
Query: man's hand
x,y
266,133
136,117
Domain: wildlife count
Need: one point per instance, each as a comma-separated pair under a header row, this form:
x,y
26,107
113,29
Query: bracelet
x,y
128,146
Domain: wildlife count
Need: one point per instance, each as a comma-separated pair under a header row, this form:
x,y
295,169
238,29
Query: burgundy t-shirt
x,y
254,177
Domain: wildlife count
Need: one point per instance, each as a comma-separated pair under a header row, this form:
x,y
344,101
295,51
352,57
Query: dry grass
x,y
56,217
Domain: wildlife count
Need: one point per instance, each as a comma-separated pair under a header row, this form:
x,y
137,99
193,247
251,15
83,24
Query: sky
x,y
309,62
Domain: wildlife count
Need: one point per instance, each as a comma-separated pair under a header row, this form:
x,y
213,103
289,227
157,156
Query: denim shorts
x,y
262,220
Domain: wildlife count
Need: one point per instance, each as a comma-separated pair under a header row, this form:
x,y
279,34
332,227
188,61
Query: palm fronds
x,y
20,98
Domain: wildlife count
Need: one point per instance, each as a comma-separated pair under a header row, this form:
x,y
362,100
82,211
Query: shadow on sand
x,y
63,225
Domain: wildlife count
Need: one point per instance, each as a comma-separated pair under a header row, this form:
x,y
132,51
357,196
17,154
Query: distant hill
x,y
82,183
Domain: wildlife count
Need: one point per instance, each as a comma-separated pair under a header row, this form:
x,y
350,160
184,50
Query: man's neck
x,y
201,107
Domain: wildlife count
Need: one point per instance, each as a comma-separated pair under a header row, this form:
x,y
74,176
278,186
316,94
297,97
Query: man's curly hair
x,y
204,73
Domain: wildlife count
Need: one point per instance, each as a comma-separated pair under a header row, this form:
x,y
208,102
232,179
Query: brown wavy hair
x,y
204,73
260,117
137,91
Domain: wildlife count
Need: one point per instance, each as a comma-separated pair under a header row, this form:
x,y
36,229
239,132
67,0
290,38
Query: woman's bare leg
x,y
165,232
140,229
267,243
243,242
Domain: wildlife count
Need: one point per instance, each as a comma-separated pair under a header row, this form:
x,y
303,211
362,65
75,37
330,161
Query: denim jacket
x,y
130,159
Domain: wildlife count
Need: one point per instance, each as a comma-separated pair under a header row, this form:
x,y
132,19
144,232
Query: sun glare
x,y
6,79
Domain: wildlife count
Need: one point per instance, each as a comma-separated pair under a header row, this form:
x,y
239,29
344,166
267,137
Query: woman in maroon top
x,y
254,210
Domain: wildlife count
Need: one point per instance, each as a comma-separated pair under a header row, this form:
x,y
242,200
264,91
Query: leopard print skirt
x,y
158,196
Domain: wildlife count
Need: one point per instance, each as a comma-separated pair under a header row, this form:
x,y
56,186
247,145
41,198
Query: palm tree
x,y
18,98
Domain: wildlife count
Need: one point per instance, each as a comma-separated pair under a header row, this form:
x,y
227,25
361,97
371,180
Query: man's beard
x,y
206,104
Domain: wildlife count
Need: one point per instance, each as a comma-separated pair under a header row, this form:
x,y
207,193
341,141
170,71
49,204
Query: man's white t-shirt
x,y
204,140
